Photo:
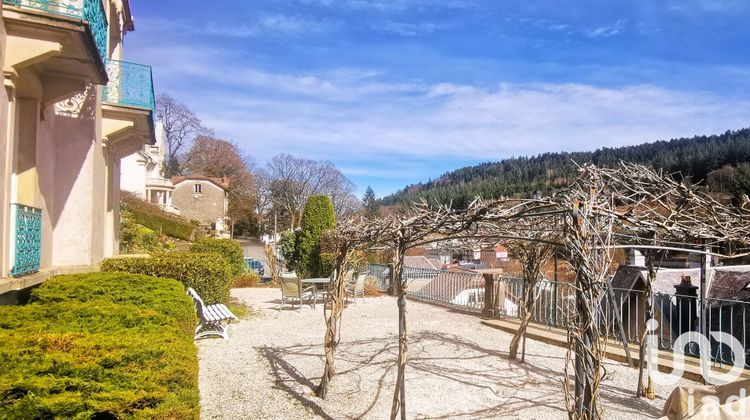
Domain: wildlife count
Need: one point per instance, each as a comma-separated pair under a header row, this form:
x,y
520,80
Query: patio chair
x,y
210,317
291,288
357,287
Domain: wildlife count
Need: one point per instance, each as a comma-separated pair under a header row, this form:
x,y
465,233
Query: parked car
x,y
255,265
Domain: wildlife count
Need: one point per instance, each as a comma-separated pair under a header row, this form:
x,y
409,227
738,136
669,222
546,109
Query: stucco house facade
x,y
142,173
203,199
70,111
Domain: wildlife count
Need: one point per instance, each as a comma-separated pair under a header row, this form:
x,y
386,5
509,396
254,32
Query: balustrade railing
x,y
92,11
159,182
27,240
130,84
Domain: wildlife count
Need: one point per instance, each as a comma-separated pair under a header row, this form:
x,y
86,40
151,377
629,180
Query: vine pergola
x,y
604,209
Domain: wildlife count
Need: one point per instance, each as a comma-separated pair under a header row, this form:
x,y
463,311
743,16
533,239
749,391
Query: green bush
x,y
207,273
230,249
327,263
249,279
289,244
113,345
135,238
318,217
158,220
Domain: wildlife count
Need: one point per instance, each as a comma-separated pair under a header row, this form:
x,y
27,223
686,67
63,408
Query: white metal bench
x,y
210,318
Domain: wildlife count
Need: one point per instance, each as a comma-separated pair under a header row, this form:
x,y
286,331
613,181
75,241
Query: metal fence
x,y
451,288
555,308
676,314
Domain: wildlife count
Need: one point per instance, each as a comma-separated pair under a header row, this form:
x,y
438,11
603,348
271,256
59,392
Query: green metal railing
x,y
130,84
27,241
92,11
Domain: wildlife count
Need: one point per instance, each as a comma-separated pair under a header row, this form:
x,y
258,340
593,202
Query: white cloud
x,y
547,25
392,5
267,25
713,6
606,30
359,115
409,29
467,122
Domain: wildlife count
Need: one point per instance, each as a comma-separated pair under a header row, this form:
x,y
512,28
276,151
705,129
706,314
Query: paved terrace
x,y
458,368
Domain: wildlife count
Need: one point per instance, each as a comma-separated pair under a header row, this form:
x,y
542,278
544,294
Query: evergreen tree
x,y
697,158
318,217
172,167
370,204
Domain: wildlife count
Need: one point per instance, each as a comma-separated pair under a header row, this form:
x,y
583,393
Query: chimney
x,y
636,258
687,306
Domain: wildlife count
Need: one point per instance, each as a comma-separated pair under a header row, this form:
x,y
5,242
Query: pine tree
x,y
371,206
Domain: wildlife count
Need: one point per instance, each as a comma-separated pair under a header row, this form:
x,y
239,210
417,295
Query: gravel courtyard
x,y
458,368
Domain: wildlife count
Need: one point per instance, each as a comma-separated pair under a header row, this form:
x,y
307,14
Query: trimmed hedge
x,y
112,345
207,273
318,217
158,220
229,249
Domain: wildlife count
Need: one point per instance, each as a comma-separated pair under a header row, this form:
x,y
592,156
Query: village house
x,y
203,199
493,257
70,111
677,297
143,173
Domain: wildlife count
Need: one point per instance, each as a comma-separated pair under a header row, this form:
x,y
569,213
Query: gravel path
x,y
458,368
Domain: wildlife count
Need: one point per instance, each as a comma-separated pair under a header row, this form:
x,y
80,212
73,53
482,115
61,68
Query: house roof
x,y
626,277
421,261
667,279
723,282
449,284
222,183
730,284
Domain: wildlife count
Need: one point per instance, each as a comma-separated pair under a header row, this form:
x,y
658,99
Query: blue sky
x,y
399,91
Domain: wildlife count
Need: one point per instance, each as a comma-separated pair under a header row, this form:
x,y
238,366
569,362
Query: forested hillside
x,y
719,160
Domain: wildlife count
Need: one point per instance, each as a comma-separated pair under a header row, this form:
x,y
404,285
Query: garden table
x,y
317,281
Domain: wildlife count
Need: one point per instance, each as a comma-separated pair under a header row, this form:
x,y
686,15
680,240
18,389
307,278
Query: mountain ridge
x,y
721,159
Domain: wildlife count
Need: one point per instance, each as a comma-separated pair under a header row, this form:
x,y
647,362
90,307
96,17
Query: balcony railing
x,y
27,240
159,182
130,84
92,11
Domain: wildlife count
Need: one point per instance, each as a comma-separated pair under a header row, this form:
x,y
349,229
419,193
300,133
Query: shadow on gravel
x,y
433,356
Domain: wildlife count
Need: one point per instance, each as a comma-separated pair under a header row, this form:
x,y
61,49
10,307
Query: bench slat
x,y
216,316
222,311
227,312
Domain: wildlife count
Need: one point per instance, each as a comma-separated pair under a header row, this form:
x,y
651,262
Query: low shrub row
x,y
158,220
208,273
135,238
251,279
103,345
230,249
